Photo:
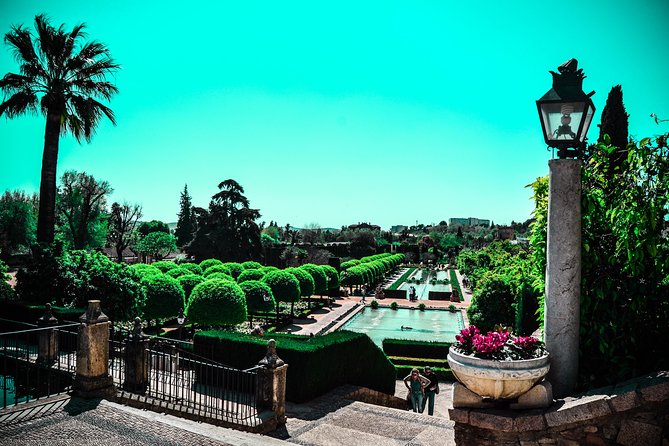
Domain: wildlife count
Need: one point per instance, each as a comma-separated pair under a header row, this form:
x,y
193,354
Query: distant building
x,y
398,228
471,221
505,233
365,226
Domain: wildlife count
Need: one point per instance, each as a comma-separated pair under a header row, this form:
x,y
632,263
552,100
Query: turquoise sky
x,y
340,112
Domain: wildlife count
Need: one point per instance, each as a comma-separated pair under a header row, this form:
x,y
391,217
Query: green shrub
x,y
421,307
6,290
220,268
393,305
209,262
72,279
164,265
375,304
193,268
284,286
234,268
416,349
164,297
492,303
305,280
318,275
452,308
188,282
250,274
219,276
178,272
269,269
259,296
316,364
142,269
332,275
217,302
251,265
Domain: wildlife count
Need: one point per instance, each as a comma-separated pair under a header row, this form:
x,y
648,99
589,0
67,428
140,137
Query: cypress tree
x,y
615,124
184,231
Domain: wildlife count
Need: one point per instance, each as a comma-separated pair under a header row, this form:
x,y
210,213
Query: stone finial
x,y
271,359
137,329
93,314
48,317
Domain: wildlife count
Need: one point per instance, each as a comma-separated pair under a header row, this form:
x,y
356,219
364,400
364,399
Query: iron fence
x,y
28,373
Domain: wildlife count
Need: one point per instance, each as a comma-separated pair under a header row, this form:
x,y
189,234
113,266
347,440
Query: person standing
x,y
431,390
416,383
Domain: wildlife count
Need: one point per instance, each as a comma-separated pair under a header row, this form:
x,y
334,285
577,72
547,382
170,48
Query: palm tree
x,y
64,76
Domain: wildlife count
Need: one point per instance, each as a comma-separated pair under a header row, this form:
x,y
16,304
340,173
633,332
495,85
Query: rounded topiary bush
x,y
220,268
193,268
375,304
188,282
234,268
219,276
269,269
332,275
217,302
259,296
209,262
250,274
178,272
284,286
251,265
320,279
142,269
305,280
394,306
164,265
164,297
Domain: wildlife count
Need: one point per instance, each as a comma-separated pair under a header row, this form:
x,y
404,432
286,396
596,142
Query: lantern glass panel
x,y
590,110
562,120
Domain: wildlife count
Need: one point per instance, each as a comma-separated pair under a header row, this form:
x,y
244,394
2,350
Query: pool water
x,y
428,325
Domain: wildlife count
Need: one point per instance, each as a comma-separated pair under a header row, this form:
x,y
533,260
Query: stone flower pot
x,y
497,379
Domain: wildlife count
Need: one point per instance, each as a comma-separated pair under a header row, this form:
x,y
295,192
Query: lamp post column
x,y
563,274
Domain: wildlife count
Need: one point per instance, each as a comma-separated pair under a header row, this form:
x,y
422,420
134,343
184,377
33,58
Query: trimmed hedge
x,y
234,268
192,267
442,373
178,272
316,365
455,284
164,297
416,349
220,268
217,302
250,274
219,276
318,275
164,265
259,296
251,265
208,263
418,362
188,282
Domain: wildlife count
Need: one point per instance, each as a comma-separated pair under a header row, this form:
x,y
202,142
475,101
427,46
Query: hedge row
x,y
316,364
444,374
455,284
401,280
370,270
416,349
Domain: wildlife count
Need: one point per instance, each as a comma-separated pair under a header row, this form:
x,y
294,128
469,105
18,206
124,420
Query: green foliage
x,y
492,303
349,264
332,275
251,265
194,268
6,291
416,349
235,269
72,279
188,282
250,274
186,219
393,305
538,238
218,268
318,275
148,227
177,272
217,302
455,283
165,266
142,269
219,276
18,222
157,244
285,287
209,262
269,269
375,304
395,285
259,296
421,307
164,297
305,280
317,365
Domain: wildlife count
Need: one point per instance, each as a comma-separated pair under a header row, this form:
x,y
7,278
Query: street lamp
x,y
566,111
180,320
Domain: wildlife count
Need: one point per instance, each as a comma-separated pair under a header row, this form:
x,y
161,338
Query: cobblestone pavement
x,y
92,422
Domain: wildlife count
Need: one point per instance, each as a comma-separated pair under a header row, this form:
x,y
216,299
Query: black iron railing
x,y
29,373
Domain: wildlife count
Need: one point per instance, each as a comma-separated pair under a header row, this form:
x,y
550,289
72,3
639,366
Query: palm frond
x,y
20,42
89,87
12,83
76,34
19,103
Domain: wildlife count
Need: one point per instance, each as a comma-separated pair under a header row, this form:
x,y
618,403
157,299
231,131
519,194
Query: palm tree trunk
x,y
46,218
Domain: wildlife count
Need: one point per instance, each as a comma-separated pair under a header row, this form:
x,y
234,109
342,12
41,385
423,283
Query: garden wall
x,y
395,294
632,413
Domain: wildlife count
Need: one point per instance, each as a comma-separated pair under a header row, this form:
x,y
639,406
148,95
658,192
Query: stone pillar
x,y
136,360
563,274
92,379
271,392
47,352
